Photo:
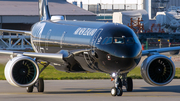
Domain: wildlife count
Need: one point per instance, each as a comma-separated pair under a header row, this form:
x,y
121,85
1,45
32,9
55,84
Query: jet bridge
x,y
15,41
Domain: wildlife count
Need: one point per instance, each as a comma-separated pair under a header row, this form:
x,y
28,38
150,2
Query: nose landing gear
x,y
118,84
117,90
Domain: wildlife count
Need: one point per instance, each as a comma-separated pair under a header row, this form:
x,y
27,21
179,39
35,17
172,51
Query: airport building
x,y
22,14
105,8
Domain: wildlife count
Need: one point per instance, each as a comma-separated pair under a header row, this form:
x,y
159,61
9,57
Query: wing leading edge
x,y
16,31
159,50
49,57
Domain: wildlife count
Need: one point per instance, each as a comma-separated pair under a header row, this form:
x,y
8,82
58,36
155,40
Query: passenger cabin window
x,y
104,41
109,41
118,40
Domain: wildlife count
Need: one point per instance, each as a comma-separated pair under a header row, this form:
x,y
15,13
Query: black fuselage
x,y
88,46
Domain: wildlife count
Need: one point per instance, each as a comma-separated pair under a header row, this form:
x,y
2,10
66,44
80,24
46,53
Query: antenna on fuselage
x,y
44,10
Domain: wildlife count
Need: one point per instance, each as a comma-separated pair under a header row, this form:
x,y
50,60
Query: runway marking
x,y
96,89
151,96
20,93
89,90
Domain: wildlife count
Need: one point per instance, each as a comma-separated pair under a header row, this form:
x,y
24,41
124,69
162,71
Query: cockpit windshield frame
x,y
129,40
109,41
118,40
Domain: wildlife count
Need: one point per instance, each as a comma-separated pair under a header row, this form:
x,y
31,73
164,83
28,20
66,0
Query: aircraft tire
x,y
119,91
113,91
40,86
129,86
30,89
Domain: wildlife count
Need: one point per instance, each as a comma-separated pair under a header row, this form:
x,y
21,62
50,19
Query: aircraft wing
x,y
159,50
15,31
50,57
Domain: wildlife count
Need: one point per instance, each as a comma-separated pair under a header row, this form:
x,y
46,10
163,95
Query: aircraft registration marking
x,y
85,31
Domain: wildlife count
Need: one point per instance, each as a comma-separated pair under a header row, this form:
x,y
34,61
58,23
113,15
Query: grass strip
x,y
50,73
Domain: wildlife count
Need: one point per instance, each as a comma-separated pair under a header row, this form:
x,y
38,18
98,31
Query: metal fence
x,y
153,43
107,8
14,41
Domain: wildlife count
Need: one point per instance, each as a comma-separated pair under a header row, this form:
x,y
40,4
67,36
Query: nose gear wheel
x,y
126,81
116,91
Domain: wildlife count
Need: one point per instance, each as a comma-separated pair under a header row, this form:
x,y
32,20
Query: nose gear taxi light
x,y
113,74
108,57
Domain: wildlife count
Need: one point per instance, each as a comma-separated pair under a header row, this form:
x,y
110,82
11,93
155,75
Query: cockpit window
x,y
104,41
118,40
123,40
109,41
129,40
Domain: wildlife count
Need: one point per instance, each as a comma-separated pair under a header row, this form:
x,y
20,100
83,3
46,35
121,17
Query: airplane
x,y
83,46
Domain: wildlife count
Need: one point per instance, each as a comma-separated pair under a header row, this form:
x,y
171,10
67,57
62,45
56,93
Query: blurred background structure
x,y
150,19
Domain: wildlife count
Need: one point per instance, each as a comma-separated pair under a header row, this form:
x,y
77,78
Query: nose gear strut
x,y
118,84
117,89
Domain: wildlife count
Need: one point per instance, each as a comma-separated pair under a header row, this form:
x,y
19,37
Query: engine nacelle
x,y
21,71
158,70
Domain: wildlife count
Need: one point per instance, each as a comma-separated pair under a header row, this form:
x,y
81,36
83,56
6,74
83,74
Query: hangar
x,y
21,14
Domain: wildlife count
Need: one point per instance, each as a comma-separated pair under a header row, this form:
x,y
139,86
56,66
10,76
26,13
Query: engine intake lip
x,y
9,71
145,70
161,70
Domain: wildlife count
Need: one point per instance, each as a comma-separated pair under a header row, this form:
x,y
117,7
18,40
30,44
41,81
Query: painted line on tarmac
x,y
89,90
20,93
151,96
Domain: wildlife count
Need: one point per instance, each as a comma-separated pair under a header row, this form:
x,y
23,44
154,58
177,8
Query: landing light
x,y
113,74
108,57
